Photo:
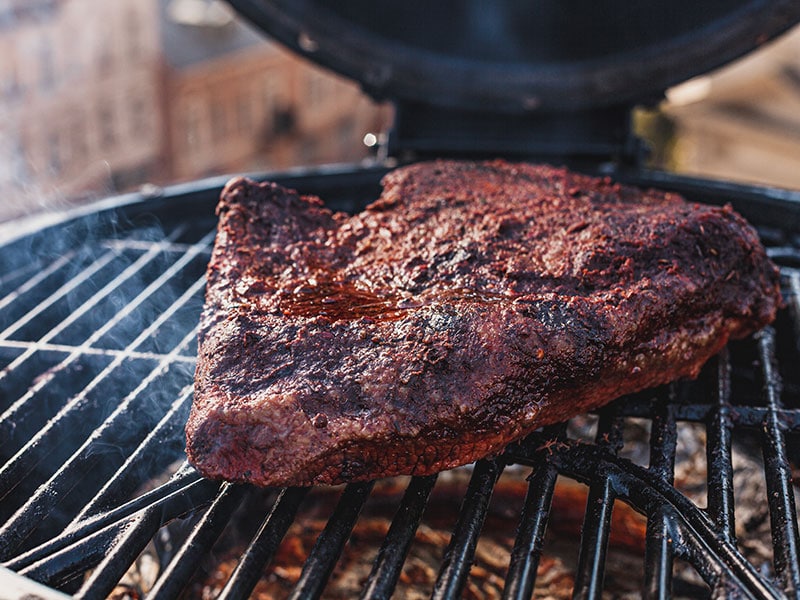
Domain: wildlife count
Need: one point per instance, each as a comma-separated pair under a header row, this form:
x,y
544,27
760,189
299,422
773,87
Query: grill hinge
x,y
594,136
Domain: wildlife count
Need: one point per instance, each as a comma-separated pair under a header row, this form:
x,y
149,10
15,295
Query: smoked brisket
x,y
469,305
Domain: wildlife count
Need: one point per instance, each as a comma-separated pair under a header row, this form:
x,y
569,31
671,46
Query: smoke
x,y
21,192
98,320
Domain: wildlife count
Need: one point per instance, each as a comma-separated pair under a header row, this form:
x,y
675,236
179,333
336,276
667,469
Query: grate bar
x,y
664,438
720,565
460,551
330,543
124,551
62,291
163,443
780,495
98,333
794,304
183,565
123,276
64,348
27,456
15,412
82,552
144,245
116,430
597,518
527,550
70,562
659,555
17,273
742,416
718,453
646,493
392,554
264,544
659,551
185,491
38,278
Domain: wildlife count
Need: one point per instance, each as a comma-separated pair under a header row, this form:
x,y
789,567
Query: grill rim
x,y
762,204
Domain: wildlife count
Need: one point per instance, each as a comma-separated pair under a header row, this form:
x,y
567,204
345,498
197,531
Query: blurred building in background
x,y
77,100
742,122
237,102
100,97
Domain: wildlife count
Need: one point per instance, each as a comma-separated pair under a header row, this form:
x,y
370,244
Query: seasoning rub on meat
x,y
469,305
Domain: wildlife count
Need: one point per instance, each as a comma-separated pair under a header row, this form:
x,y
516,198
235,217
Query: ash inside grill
x,y
689,486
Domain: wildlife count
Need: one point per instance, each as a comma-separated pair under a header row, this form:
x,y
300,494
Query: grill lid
x,y
517,57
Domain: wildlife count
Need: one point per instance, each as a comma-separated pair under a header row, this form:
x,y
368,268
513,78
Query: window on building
x,y
19,164
193,125
219,120
315,89
133,31
284,120
103,53
107,127
79,149
269,98
244,113
346,137
54,155
139,117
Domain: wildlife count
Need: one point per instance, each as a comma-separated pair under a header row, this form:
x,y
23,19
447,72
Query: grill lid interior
x,y
515,57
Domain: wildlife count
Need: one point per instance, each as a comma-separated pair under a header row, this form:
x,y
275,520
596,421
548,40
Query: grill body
x,y
97,342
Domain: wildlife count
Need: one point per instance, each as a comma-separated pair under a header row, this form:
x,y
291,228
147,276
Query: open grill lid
x,y
533,80
516,57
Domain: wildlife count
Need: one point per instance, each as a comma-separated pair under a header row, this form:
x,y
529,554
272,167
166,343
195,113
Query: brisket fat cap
x,y
469,305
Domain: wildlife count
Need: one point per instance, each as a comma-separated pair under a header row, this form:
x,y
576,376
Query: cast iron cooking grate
x,y
98,321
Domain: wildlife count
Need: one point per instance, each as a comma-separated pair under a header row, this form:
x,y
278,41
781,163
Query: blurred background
x,y
98,98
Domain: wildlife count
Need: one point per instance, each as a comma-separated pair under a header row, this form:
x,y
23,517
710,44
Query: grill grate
x,y
97,347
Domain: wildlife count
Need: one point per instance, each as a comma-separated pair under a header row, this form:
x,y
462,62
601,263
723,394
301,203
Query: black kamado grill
x,y
99,310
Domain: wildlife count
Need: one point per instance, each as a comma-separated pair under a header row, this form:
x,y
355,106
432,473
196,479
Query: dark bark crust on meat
x,y
471,304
